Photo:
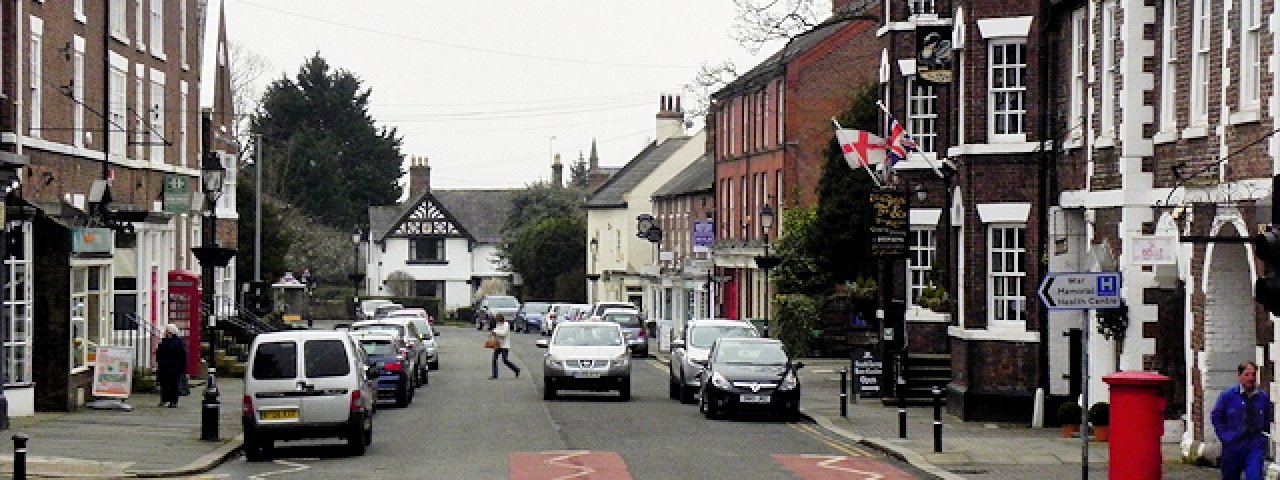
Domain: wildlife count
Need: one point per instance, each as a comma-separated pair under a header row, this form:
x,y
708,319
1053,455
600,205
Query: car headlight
x,y
701,362
622,360
554,362
720,382
789,382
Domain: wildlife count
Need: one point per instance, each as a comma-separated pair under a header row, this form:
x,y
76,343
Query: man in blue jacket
x,y
1241,417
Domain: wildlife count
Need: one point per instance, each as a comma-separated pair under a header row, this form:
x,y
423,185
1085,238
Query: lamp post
x,y
594,276
210,256
355,275
766,262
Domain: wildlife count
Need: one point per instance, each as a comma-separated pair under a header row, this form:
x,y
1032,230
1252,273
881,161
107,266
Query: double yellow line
x,y
840,444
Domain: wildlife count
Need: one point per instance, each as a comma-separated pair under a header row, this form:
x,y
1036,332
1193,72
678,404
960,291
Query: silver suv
x,y
493,305
586,356
306,384
689,352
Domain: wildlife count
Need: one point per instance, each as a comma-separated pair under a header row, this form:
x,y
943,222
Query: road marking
x,y
840,444
568,465
831,467
295,467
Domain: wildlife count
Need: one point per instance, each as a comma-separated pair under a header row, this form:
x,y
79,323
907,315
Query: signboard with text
x,y
889,223
177,193
704,235
868,369
113,372
1080,290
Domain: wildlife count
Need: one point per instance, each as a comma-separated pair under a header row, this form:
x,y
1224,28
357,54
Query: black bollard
x,y
844,393
902,401
937,419
19,456
209,409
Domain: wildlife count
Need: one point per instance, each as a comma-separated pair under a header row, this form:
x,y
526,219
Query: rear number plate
x,y
279,414
755,399
586,374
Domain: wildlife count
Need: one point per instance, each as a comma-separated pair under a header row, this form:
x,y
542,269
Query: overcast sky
x,y
481,86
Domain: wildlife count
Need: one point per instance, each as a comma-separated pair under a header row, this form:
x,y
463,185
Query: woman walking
x,y
171,366
501,334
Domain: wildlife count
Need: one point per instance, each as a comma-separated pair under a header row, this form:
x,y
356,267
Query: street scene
x,y
658,239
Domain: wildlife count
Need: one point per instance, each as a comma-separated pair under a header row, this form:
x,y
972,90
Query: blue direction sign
x,y
1080,290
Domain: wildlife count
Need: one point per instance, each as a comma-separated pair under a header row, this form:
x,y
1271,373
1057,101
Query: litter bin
x,y
761,324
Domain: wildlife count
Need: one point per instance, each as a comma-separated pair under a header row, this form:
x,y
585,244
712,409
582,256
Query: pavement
x,y
152,441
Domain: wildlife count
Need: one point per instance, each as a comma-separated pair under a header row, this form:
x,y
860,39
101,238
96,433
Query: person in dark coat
x,y
171,366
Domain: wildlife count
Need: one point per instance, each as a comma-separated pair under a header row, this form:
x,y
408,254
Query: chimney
x,y
419,176
557,173
593,161
670,118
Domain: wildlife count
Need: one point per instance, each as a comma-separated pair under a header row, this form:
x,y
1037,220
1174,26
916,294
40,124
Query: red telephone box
x,y
184,311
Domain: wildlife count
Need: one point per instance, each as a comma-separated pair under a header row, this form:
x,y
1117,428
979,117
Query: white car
x,y
586,356
303,384
690,348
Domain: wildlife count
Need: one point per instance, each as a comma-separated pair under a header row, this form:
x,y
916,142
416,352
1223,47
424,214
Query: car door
x,y
273,382
329,377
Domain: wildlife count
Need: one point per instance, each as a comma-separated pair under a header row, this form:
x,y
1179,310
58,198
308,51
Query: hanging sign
x,y
177,194
113,373
889,225
1154,250
933,54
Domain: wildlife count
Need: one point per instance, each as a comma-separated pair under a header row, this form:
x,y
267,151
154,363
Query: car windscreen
x,y
704,336
276,360
502,302
378,347
424,329
325,358
756,353
587,336
626,320
537,307
381,327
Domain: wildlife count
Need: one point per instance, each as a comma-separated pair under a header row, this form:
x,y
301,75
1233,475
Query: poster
x,y
867,371
933,54
113,375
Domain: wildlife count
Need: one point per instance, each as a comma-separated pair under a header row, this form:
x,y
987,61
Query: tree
x,y
321,150
275,237
759,22
799,272
548,254
538,202
578,173
842,243
247,67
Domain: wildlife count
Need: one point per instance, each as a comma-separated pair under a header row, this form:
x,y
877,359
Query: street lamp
x,y
355,275
648,229
766,262
210,256
594,276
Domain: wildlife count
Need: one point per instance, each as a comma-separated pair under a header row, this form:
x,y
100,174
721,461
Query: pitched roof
x,y
478,213
613,192
698,177
777,63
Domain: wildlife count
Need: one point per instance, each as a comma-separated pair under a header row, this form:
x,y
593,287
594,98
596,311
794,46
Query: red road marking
x,y
838,467
568,465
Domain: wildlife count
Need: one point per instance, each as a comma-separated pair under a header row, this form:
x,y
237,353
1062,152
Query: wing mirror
x,y
542,343
677,344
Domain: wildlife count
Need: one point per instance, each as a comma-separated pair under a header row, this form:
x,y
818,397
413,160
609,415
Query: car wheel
x,y
358,438
673,388
256,447
704,405
624,393
434,365
686,393
548,391
425,375
402,395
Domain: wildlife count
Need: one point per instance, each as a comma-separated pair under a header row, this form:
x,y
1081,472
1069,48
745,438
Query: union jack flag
x,y
899,142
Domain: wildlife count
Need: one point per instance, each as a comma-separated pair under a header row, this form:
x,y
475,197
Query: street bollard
x,y
19,456
209,408
937,419
844,393
902,401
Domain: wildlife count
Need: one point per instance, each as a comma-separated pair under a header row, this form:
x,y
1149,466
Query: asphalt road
x,y
463,425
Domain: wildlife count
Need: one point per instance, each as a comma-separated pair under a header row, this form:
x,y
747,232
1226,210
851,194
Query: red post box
x,y
1137,423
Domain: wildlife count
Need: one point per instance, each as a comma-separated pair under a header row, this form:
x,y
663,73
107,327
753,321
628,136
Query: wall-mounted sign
x,y
1154,250
704,235
933,54
91,240
889,223
177,193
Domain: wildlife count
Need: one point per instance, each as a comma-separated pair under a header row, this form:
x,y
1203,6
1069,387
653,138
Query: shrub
x,y
1069,413
795,317
1100,414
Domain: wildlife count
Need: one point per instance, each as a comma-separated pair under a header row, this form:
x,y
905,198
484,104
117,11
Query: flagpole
x,y
909,152
874,178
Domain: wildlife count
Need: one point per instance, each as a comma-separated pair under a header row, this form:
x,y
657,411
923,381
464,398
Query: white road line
x,y
582,470
830,460
296,467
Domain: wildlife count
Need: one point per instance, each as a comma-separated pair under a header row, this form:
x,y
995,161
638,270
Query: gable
x,y
427,218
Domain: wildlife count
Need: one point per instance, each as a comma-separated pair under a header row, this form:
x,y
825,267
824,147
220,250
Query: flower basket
x,y
936,299
1100,419
1069,418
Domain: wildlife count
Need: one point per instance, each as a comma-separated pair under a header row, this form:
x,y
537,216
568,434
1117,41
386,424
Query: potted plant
x,y
1069,418
1100,420
935,298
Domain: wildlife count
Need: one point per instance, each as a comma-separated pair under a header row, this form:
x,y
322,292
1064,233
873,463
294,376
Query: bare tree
x,y
247,68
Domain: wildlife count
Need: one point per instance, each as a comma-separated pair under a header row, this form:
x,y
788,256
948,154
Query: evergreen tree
x,y
578,173
551,255
843,216
322,152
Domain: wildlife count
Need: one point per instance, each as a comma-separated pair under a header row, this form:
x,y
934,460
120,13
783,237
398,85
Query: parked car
x,y
529,317
629,320
306,384
492,305
420,317
689,350
553,316
597,309
750,375
416,350
576,312
384,354
586,356
381,311
369,307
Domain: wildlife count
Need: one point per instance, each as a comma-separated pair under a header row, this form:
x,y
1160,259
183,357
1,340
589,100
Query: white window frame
x,y
1006,286
922,252
1079,37
77,11
1169,68
1201,22
922,115
118,89
1015,91
87,323
183,119
139,22
1107,67
1250,56
35,86
156,117
924,7
140,116
182,34
119,25
77,91
156,16
18,308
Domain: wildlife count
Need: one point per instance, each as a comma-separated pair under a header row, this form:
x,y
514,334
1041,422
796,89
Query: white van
x,y
306,384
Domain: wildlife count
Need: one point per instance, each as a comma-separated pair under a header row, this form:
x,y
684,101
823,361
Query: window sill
x,y
1165,136
1012,332
1073,143
1249,115
1105,142
426,262
81,18
159,56
1199,131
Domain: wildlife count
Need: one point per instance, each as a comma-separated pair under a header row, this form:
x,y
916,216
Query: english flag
x,y
900,142
861,149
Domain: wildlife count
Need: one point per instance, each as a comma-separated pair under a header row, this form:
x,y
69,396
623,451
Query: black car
x,y
750,375
384,354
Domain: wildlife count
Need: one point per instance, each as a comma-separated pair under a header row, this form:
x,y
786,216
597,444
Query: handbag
x,y
490,343
184,387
